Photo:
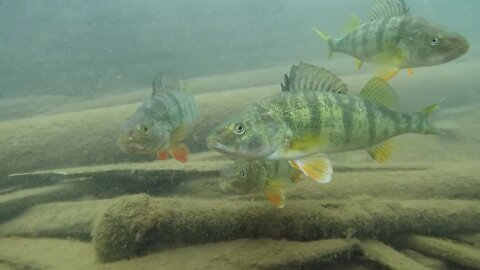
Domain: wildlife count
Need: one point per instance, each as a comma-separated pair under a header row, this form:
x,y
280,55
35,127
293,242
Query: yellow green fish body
x,y
394,38
161,122
259,176
313,115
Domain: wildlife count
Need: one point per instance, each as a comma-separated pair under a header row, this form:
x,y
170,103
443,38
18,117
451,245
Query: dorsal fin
x,y
379,92
307,77
388,8
352,23
163,83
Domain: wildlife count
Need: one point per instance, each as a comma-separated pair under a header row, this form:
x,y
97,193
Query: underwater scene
x,y
240,134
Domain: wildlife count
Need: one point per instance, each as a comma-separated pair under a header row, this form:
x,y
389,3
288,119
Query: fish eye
x,y
434,41
239,128
243,175
143,129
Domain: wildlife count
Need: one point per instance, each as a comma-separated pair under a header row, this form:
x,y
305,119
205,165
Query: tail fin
x,y
425,113
327,39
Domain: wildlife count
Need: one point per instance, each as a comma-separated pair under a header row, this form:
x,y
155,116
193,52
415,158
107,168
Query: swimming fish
x,y
257,176
161,123
395,39
312,116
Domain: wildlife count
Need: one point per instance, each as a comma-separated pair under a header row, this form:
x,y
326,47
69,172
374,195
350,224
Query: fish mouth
x,y
457,51
216,146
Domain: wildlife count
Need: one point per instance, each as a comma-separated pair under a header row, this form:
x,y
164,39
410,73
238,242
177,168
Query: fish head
x,y
143,133
427,43
254,134
244,177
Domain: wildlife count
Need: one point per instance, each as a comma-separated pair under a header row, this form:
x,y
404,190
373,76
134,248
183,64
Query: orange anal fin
x,y
410,71
180,152
162,155
277,197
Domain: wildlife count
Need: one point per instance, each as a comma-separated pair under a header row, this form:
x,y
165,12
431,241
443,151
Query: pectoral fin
x,y
358,63
275,193
180,152
318,168
381,152
410,71
387,73
162,155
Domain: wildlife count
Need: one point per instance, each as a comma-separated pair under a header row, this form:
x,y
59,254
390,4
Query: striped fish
x,y
161,123
313,115
257,176
395,39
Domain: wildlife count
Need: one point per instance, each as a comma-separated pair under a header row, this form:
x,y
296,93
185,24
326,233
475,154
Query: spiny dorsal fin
x,y
163,83
307,77
388,8
379,92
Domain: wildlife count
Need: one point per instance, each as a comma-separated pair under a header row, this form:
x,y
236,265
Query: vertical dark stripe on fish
x,y
353,42
371,122
408,122
178,107
313,106
381,32
403,25
276,168
344,105
365,30
286,112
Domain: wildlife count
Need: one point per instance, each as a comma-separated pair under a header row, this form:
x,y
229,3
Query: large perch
x,y
137,224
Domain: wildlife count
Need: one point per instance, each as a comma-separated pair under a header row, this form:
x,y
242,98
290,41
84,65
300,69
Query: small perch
x,y
444,249
136,225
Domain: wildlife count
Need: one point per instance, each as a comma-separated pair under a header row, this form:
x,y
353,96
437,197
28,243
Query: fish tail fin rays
x,y
378,91
382,151
318,168
425,114
163,83
308,77
327,40
275,193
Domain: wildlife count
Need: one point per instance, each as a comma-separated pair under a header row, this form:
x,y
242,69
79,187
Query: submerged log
x,y
448,250
263,254
135,225
57,220
389,257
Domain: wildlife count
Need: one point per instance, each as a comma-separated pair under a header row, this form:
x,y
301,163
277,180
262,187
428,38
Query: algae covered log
x,y
135,225
58,220
445,249
389,257
43,253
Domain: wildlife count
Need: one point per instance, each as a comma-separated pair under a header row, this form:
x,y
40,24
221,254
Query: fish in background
x,y
395,39
260,176
312,116
162,122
